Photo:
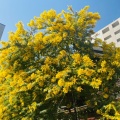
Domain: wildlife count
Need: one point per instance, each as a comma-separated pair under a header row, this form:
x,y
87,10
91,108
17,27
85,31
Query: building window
x,y
115,24
105,30
118,40
107,37
118,31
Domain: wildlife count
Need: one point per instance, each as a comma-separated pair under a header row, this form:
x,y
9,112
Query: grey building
x,y
110,33
1,30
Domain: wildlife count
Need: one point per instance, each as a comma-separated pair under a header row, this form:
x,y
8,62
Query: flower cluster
x,y
50,61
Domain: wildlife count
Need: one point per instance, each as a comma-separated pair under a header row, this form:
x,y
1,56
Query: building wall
x,y
1,29
110,33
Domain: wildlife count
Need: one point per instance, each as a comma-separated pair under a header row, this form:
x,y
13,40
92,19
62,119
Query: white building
x,y
1,29
110,33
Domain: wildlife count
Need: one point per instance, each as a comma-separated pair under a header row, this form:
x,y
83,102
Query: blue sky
x,y
12,11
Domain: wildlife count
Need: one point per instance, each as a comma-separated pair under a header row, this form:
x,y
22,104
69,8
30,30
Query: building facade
x,y
1,30
110,33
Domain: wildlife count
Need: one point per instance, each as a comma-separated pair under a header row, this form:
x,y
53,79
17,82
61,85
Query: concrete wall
x,y
1,30
110,33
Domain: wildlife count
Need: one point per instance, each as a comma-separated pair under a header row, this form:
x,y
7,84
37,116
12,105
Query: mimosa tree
x,y
53,64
